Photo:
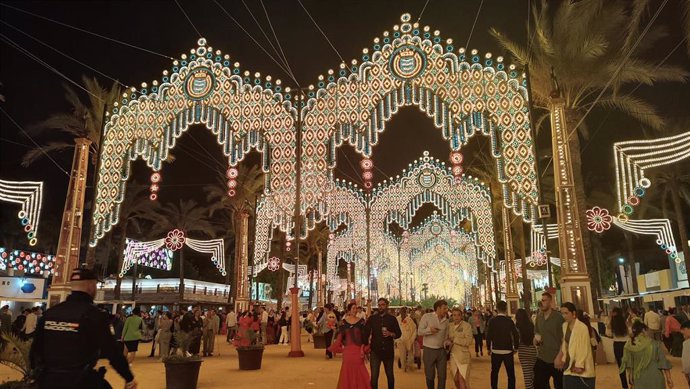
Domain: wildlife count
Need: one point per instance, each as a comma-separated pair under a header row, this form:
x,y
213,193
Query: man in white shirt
x,y
653,323
264,323
231,323
433,326
31,322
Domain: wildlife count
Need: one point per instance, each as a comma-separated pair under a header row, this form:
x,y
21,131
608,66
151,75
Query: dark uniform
x,y
69,340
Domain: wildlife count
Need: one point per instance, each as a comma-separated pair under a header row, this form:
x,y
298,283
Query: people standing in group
x,y
327,326
548,336
156,328
672,330
5,320
433,326
406,341
197,332
461,338
575,358
131,333
263,314
618,331
18,323
527,351
478,329
502,339
30,323
685,357
653,322
352,341
644,361
283,323
165,328
211,325
384,329
231,324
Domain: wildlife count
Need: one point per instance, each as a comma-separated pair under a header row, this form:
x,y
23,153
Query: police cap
x,y
83,273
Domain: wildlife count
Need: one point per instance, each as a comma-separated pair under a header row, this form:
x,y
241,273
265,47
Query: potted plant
x,y
250,350
319,337
14,353
181,371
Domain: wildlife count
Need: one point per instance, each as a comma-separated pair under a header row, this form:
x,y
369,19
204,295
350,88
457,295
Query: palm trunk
x,y
680,219
311,287
181,275
526,290
281,287
572,119
120,258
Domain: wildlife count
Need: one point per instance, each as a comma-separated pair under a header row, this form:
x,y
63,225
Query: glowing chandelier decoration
x,y
175,240
633,158
231,175
156,179
150,254
659,228
28,194
538,243
428,180
464,93
273,264
367,165
26,261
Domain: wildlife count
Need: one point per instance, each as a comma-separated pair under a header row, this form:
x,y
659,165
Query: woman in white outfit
x,y
460,334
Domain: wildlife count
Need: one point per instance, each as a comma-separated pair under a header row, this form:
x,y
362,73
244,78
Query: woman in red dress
x,y
353,342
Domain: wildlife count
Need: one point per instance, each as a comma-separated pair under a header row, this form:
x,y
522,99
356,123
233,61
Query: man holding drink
x,y
384,329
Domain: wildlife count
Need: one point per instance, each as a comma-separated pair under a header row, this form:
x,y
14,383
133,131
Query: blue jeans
x,y
375,363
575,382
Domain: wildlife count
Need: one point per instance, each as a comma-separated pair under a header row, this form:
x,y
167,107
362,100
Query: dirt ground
x,y
311,372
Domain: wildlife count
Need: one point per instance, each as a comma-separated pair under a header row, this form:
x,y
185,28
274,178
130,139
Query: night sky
x,y
33,92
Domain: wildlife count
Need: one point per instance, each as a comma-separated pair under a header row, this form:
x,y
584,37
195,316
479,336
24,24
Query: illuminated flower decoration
x,y
598,220
538,258
456,158
273,264
366,164
175,240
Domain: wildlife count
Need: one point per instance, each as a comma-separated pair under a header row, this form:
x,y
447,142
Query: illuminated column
x,y
575,282
67,257
512,296
241,289
320,281
488,295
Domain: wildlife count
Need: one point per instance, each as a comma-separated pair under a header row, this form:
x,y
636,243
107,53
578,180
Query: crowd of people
x,y
556,345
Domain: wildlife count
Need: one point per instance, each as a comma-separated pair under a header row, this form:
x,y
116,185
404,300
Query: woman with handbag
x,y
645,362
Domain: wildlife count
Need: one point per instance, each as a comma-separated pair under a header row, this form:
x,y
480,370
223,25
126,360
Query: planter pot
x,y
182,374
319,341
250,359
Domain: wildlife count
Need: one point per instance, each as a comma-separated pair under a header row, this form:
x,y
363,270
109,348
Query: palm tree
x,y
136,211
188,216
315,246
586,44
86,120
227,210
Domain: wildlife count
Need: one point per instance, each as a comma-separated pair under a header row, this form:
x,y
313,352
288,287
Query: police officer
x,y
72,336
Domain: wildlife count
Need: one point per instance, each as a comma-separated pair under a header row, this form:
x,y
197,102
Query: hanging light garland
x,y
29,194
175,240
26,261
